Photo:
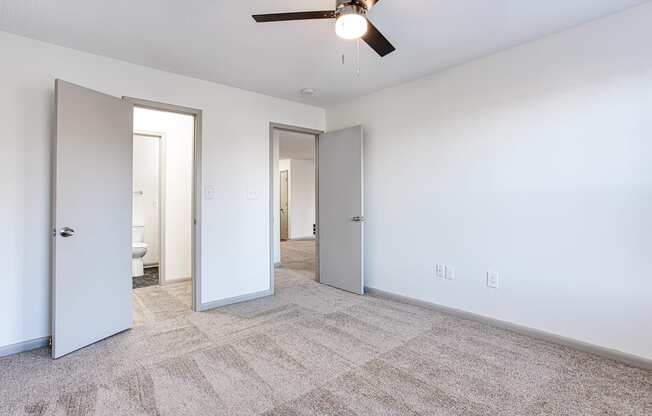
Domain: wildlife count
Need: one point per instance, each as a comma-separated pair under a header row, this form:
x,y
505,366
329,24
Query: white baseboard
x,y
312,237
612,354
170,282
45,341
24,346
236,299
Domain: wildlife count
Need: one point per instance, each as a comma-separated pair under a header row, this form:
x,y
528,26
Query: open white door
x,y
92,295
341,209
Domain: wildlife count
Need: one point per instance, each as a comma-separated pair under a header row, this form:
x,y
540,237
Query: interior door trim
x,y
272,209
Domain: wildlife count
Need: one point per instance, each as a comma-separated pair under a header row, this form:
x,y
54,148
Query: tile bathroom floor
x,y
150,278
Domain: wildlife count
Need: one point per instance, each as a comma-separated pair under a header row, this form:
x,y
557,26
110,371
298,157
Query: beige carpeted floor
x,y
315,350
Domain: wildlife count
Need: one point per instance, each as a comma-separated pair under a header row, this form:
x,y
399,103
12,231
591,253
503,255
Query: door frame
x,y
161,197
197,187
272,209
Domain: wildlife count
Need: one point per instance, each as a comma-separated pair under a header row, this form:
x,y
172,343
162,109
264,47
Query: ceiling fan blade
x,y
377,41
370,3
282,17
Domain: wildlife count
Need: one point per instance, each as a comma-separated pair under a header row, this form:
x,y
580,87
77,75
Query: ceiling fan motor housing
x,y
350,7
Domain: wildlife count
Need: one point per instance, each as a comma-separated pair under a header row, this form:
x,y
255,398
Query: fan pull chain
x,y
357,57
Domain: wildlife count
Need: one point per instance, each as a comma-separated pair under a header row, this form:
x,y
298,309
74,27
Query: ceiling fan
x,y
351,22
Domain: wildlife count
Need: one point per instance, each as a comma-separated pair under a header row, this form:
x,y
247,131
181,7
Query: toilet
x,y
138,250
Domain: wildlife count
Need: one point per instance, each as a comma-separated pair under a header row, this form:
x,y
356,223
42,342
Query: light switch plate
x,y
492,279
210,191
439,271
252,194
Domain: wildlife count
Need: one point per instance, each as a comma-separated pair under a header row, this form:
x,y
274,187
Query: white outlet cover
x,y
439,271
449,272
492,280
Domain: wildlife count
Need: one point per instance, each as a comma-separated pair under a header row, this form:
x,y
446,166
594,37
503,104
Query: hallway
x,y
297,262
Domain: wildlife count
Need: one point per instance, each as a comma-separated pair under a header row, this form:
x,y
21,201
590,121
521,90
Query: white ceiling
x,y
217,40
293,145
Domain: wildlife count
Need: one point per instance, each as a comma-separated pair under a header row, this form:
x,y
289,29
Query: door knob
x,y
359,219
66,232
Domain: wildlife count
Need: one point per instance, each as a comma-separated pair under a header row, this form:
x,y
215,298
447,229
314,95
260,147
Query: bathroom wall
x,y
146,193
177,153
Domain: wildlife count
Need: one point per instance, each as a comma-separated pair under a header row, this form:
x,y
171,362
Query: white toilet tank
x,y
138,233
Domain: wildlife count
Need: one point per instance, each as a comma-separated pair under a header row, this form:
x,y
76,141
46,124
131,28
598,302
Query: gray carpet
x,y
315,350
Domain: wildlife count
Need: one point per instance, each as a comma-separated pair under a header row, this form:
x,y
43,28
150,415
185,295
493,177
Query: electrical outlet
x,y
449,272
492,280
439,271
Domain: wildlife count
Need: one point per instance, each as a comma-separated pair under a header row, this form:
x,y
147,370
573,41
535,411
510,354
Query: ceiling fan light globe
x,y
351,26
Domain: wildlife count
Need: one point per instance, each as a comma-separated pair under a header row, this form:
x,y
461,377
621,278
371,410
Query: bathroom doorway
x,y
164,210
148,168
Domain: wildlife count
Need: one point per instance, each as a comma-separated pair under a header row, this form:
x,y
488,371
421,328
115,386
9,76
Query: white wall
x,y
145,205
285,164
301,200
302,194
535,162
235,230
178,131
276,203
